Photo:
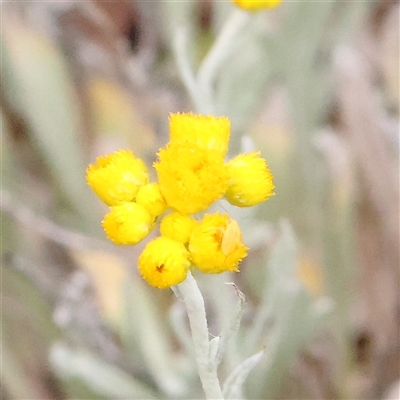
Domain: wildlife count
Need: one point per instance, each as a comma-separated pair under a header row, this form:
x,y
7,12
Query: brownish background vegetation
x,y
321,101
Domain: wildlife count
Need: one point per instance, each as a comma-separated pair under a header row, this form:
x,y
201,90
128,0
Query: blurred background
x,y
313,85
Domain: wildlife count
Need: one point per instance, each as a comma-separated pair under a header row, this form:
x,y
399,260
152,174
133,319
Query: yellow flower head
x,y
190,178
216,244
177,226
164,262
116,178
150,197
254,5
250,180
206,132
128,223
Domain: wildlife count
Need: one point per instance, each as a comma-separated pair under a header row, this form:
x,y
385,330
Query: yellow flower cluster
x,y
255,5
192,174
121,180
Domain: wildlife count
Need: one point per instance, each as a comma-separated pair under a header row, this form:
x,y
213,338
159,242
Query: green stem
x,y
218,53
185,69
190,294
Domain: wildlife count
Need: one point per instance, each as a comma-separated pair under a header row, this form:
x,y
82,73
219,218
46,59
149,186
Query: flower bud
x,y
250,180
116,177
216,244
164,262
128,223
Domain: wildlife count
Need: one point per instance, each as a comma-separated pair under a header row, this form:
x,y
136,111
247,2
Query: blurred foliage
x,y
312,85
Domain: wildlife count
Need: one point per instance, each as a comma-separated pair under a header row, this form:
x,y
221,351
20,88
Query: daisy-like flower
x,y
255,5
128,223
216,244
177,226
116,178
164,262
190,178
150,197
206,132
250,180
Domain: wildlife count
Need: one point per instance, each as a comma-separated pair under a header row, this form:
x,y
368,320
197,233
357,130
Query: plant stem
x,y
190,294
219,52
185,69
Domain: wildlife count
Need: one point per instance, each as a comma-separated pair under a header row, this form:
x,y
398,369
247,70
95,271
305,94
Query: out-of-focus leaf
x,y
233,386
391,61
276,142
24,310
146,334
37,85
116,119
108,275
178,322
8,178
297,320
240,89
13,377
221,10
104,379
7,160
280,270
177,15
290,308
181,50
310,274
229,330
237,22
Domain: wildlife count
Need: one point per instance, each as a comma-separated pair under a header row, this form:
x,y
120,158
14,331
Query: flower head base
x,y
128,223
116,178
178,227
150,197
216,244
206,132
255,5
250,180
190,178
164,262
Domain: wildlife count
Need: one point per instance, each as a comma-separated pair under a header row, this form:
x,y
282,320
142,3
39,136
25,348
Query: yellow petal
x,y
190,178
205,132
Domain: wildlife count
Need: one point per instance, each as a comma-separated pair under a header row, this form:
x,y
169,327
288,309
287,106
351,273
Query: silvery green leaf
x,y
252,83
38,87
296,320
230,330
178,322
233,386
293,314
180,47
100,377
146,335
214,348
280,273
177,14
